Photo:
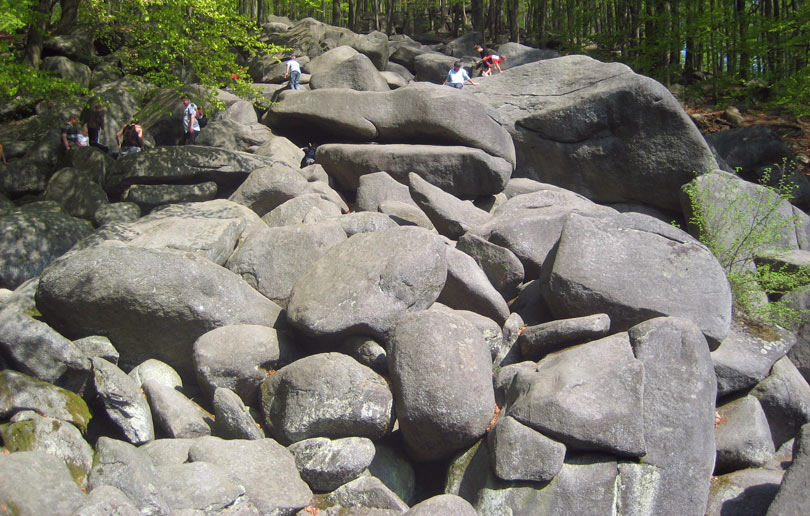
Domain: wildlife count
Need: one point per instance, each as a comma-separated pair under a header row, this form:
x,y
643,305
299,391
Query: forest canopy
x,y
728,48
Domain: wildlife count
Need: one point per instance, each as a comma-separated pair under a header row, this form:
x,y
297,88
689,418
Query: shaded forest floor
x,y
794,131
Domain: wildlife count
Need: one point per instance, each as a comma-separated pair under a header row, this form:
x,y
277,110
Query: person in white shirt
x,y
458,76
293,72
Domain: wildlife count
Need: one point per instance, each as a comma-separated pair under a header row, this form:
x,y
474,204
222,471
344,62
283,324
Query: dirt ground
x,y
795,131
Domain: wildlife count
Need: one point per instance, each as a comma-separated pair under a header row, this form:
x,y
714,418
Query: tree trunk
x,y
513,11
36,33
70,16
477,9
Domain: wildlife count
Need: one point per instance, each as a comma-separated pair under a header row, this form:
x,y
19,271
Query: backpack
x,y
201,118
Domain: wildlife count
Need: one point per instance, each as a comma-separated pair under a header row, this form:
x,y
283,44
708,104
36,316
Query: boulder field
x,y
474,302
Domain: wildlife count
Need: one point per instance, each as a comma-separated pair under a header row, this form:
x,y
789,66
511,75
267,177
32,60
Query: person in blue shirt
x,y
457,76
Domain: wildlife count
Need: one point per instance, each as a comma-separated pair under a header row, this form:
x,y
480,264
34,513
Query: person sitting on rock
x,y
130,138
70,132
457,76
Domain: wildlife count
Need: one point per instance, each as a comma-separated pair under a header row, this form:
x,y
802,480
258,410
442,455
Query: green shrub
x,y
737,224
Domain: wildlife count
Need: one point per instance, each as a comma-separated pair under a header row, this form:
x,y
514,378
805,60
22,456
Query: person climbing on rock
x,y
293,72
483,65
309,155
70,133
191,127
95,126
457,76
492,59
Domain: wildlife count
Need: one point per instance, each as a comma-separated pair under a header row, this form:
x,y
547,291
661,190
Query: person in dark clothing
x,y
70,133
481,63
309,155
95,125
130,138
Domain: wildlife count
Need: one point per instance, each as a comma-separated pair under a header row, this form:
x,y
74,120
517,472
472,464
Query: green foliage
x,y
18,80
739,224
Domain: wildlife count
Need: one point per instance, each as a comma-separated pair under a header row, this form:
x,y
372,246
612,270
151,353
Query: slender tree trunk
x,y
336,14
512,13
477,11
36,34
70,16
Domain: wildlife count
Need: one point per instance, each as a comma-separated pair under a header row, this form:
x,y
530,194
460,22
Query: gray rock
x,y
365,222
378,116
451,216
468,288
228,134
790,499
799,299
121,465
77,193
327,464
588,397
31,237
107,501
355,73
742,436
538,341
667,273
281,149
518,54
98,346
746,355
63,67
501,266
456,169
376,187
530,225
375,46
433,67
268,187
238,357
405,54
442,505
20,392
209,229
174,414
490,330
445,400
151,304
679,389
518,452
34,348
29,431
156,371
586,484
368,282
116,212
509,352
785,398
167,452
123,401
748,492
56,493
233,419
366,351
316,396
399,70
394,79
394,469
265,468
366,491
183,164
148,197
405,214
198,485
272,259
304,209
577,122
